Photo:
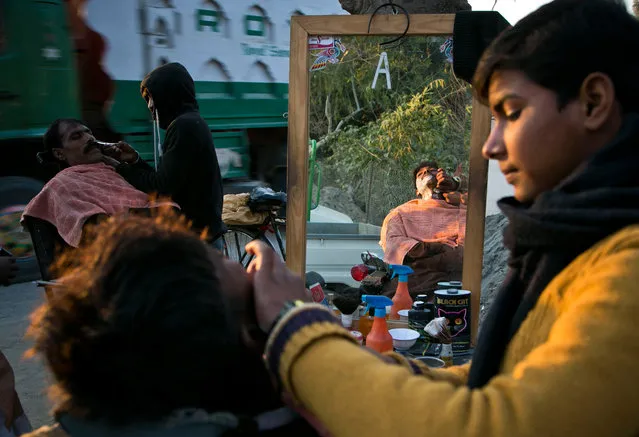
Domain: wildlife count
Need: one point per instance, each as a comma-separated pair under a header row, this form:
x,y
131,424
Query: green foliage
x,y
416,129
384,133
347,85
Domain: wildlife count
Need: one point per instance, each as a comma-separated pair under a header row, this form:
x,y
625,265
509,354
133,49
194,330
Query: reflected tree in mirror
x,y
369,140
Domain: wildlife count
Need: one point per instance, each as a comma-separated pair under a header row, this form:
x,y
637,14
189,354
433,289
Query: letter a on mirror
x,y
386,70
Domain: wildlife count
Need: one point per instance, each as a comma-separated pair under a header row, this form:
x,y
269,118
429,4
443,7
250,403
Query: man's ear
x,y
58,154
598,100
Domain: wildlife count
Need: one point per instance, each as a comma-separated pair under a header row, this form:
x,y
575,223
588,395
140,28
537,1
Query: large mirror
x,y
360,123
389,158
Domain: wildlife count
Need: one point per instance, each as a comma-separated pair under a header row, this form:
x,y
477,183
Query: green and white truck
x,y
85,59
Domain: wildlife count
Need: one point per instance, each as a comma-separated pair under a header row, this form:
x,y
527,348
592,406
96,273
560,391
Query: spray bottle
x,y
402,299
379,339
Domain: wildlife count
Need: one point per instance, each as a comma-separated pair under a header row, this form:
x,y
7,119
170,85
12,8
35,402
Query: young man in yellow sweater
x,y
559,353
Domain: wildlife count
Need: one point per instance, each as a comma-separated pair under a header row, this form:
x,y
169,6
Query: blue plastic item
x,y
378,302
401,271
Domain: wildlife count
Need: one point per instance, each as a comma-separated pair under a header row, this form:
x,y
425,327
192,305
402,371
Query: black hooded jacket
x,y
188,170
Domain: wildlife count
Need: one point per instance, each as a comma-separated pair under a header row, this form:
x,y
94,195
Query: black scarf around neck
x,y
596,201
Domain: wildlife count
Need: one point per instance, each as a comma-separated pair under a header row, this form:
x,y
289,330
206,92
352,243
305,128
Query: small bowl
x,y
403,315
403,339
432,362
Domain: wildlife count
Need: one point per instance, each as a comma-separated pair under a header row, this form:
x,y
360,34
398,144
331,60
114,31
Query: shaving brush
x,y
347,301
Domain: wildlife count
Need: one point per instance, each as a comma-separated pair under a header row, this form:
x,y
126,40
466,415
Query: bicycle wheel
x,y
235,241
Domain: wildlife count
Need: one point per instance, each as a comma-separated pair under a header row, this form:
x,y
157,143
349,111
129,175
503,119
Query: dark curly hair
x,y
139,327
428,164
53,140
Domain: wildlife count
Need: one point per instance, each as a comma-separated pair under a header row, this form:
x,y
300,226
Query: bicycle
x,y
266,200
238,236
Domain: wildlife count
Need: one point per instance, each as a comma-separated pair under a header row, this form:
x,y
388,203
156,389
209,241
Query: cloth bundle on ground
x,y
427,221
80,192
13,421
236,211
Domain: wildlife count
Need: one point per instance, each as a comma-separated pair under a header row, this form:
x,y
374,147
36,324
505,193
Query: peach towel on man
x,y
77,193
428,221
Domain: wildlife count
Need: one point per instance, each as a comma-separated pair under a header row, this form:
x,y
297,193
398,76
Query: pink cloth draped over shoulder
x,y
79,192
428,221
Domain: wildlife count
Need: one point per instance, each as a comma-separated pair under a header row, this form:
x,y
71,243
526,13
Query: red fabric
x,y
97,85
77,193
428,221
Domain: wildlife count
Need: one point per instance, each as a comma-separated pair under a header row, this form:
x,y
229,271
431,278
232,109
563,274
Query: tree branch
x,y
339,127
346,120
327,112
357,105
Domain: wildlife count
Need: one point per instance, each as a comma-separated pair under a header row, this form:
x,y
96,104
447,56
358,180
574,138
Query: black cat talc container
x,y
455,306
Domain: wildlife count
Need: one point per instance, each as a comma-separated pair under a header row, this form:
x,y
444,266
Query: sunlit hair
x,y
426,164
139,326
564,41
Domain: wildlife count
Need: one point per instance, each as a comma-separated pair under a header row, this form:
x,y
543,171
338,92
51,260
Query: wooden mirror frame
x,y
302,27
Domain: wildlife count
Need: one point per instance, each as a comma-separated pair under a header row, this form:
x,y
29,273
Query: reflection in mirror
x,y
390,141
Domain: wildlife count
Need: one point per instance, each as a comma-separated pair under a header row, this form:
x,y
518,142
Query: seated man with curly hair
x,y
85,187
428,233
144,336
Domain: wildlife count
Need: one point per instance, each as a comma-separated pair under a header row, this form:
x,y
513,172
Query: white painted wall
x,y
118,21
514,10
497,188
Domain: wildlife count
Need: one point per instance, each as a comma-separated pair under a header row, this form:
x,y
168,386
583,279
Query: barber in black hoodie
x,y
188,170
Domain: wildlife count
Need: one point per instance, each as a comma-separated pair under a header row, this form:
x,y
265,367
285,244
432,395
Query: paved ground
x,y
16,303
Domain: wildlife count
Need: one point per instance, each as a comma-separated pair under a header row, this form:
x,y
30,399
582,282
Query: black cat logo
x,y
457,320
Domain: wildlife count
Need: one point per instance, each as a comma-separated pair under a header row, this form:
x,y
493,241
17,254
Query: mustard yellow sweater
x,y
571,370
